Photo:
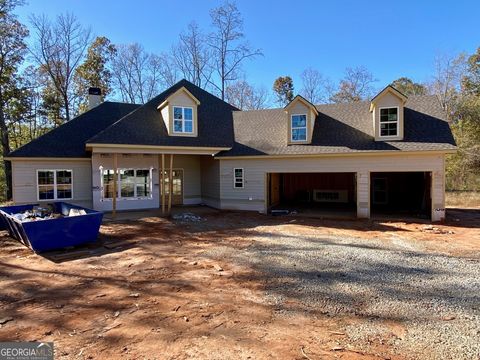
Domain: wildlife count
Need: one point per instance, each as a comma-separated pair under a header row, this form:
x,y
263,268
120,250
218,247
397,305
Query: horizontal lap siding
x,y
192,192
252,196
24,176
210,181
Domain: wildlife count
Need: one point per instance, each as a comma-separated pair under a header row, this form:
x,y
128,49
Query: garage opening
x,y
400,194
313,194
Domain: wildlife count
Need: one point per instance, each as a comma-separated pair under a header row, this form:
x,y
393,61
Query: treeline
x,y
47,68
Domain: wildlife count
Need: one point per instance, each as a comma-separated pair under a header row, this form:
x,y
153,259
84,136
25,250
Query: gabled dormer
x,y
179,112
301,115
387,113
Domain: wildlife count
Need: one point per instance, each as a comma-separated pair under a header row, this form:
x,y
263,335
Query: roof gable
x,y
182,89
302,100
388,90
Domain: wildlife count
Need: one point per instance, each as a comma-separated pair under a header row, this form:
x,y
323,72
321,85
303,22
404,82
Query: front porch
x,y
151,181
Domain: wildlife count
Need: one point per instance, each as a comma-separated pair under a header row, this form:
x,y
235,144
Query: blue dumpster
x,y
52,234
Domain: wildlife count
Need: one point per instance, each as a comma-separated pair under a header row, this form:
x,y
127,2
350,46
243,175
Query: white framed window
x,y
299,127
131,183
54,184
238,178
182,119
389,121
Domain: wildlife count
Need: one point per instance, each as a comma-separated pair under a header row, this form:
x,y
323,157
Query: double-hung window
x,y
54,184
299,127
238,178
183,119
131,183
389,121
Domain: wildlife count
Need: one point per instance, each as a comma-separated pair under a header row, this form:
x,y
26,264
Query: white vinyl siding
x,y
210,181
24,176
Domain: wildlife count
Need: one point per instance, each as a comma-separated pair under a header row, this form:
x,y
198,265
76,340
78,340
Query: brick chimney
x,y
94,97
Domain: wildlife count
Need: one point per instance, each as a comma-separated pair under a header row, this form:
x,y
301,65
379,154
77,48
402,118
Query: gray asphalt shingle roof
x,y
145,126
68,140
341,128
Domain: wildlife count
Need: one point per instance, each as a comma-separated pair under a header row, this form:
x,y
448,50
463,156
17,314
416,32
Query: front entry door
x,y
177,182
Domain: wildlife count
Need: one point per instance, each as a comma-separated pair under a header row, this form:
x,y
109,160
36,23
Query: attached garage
x,y
401,194
332,194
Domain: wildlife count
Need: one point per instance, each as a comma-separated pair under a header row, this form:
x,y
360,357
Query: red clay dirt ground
x,y
146,291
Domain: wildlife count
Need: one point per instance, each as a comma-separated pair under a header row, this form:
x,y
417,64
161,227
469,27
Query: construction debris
x,y
217,267
436,230
45,213
187,217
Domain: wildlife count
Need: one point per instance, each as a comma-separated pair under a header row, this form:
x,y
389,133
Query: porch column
x,y
438,195
162,184
363,194
115,181
170,184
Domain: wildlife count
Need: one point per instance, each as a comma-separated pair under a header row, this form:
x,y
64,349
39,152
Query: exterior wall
x,y
24,176
210,181
190,164
388,100
192,189
253,195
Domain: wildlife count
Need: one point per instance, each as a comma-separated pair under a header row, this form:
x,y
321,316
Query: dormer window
x,y
182,119
299,127
300,117
387,109
179,112
389,121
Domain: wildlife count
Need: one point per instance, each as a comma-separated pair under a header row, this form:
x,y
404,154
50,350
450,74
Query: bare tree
x,y
192,56
316,88
447,79
139,75
356,85
246,97
229,50
60,47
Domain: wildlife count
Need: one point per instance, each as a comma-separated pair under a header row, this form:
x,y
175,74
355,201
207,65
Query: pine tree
x,y
283,88
95,71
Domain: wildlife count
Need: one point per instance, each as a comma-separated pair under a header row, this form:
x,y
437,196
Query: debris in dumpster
x,y
45,213
37,213
76,212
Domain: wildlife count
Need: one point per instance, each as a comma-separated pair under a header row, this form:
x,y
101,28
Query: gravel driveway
x,y
433,299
